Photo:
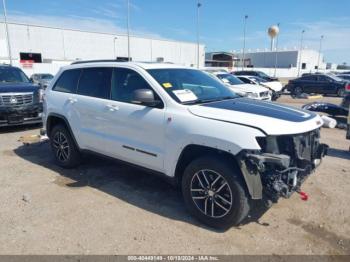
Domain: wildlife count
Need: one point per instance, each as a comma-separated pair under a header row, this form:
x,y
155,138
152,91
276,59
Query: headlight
x,y
41,95
252,95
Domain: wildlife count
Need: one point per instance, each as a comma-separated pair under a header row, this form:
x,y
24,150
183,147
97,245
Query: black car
x,y
318,83
255,73
20,99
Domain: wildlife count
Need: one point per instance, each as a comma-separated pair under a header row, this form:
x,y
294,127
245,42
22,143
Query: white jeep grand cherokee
x,y
221,149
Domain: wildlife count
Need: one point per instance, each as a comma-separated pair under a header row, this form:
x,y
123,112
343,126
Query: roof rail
x,y
98,61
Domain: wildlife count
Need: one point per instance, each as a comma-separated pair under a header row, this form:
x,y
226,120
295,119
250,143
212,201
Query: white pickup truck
x,y
221,149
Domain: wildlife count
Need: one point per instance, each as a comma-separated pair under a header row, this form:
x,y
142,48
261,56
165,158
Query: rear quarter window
x,y
68,81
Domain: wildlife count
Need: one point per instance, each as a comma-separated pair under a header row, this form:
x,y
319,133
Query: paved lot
x,y
107,208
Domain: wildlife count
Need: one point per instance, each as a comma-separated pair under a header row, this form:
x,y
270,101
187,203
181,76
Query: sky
x,y
220,21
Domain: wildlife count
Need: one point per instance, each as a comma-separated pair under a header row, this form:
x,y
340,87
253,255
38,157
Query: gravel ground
x,y
107,208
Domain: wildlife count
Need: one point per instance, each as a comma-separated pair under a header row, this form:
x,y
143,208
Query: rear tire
x,y
214,192
65,150
297,90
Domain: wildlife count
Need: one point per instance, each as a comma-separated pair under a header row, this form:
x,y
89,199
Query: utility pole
x,y
7,32
276,51
244,33
319,53
114,52
300,51
198,6
128,28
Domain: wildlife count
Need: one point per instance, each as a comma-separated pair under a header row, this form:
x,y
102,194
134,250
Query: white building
x,y
56,46
307,59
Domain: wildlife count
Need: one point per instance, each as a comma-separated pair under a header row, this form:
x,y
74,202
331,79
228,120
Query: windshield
x,y
230,79
12,75
262,74
47,76
334,77
258,79
190,86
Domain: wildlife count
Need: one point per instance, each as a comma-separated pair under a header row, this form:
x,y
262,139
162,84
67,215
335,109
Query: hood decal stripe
x,y
266,109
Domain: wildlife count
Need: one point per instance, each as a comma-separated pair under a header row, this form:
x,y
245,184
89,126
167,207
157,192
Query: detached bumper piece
x,y
285,163
11,116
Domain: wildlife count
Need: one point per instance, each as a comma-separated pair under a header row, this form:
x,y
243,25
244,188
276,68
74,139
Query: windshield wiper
x,y
202,101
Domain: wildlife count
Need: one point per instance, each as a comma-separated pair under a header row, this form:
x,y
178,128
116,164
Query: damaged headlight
x,y
252,95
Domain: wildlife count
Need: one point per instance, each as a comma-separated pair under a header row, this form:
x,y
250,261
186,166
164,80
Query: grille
x,y
264,94
17,99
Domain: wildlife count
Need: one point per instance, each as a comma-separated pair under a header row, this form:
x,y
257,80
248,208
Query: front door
x,y
135,132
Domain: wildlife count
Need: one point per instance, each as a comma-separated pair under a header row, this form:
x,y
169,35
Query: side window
x,y
126,81
96,82
324,79
309,78
245,80
68,81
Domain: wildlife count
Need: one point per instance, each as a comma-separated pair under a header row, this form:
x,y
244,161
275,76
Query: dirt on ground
x,y
104,207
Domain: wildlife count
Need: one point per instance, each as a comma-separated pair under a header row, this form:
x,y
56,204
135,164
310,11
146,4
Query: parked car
x,y
248,90
346,77
43,80
275,87
178,122
255,73
20,100
318,83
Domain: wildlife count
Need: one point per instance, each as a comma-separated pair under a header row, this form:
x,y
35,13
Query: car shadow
x,y
334,152
124,182
19,128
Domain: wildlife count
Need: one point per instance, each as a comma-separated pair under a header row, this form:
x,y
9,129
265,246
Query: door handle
x,y
112,108
72,100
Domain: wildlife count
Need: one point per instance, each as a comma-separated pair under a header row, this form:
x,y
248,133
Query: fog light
x,y
317,162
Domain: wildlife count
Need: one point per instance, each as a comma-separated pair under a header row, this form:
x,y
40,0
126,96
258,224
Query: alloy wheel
x,y
211,193
61,145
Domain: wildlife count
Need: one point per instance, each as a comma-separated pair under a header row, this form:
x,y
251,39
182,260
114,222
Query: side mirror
x,y
145,97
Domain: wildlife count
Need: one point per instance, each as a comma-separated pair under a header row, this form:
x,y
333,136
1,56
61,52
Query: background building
x,y
220,59
308,59
52,47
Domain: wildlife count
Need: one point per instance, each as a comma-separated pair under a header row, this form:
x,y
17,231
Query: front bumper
x,y
20,115
283,164
276,95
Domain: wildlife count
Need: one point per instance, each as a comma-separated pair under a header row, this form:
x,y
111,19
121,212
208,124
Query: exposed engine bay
x,y
285,162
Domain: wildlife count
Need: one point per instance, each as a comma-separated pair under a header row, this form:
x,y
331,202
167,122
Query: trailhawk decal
x,y
264,109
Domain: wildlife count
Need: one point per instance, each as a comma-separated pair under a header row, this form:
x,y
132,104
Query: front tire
x,y
214,192
65,150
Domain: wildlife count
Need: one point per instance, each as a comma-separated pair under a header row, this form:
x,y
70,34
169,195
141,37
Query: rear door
x,y
326,85
309,84
91,107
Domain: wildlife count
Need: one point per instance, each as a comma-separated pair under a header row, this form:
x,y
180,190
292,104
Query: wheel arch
x,y
54,119
193,151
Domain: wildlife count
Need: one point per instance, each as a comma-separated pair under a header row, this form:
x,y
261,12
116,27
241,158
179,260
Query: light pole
x,y
128,28
7,32
244,33
319,53
198,6
300,51
115,56
276,51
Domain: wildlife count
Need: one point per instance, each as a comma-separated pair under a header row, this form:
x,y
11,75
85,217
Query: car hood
x,y
275,85
17,87
249,88
271,118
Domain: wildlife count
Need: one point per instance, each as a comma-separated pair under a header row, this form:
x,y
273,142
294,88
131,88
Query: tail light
x,y
347,87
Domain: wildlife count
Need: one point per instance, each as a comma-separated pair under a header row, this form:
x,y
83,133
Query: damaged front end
x,y
282,165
